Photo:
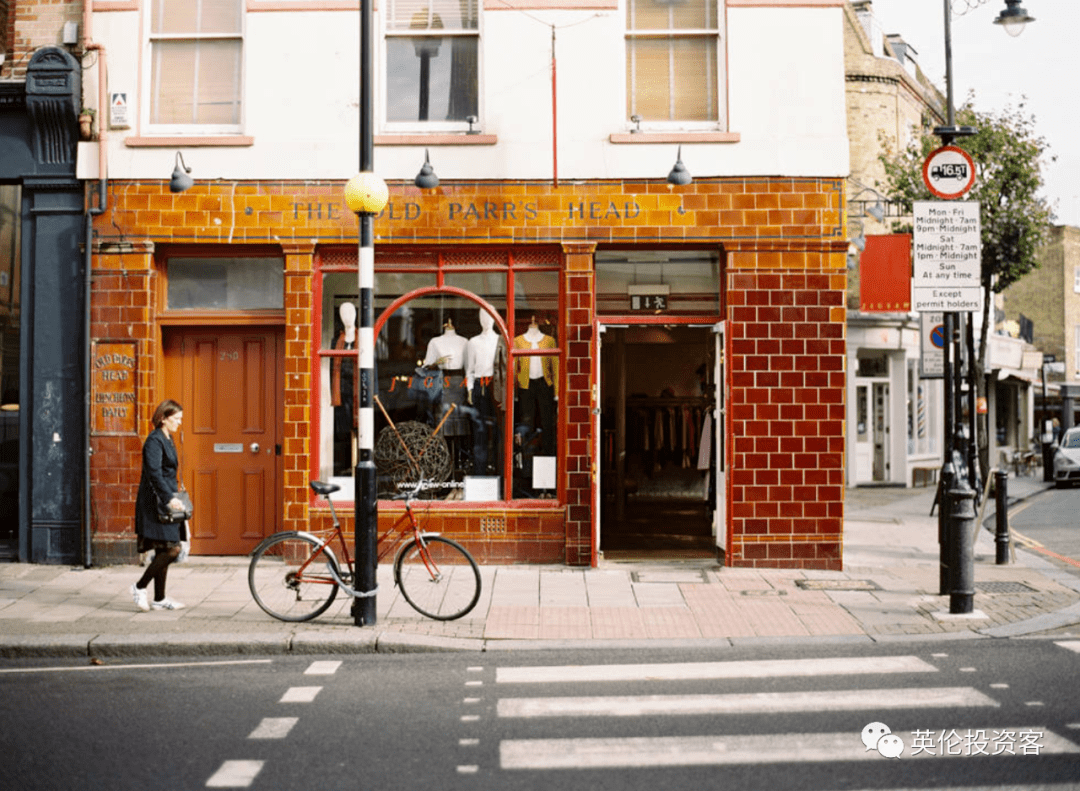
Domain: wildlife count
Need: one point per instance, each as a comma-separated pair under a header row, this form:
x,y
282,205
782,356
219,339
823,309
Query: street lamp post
x,y
958,498
366,195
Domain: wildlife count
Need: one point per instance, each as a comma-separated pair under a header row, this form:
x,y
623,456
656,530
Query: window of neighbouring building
x,y
674,63
432,63
195,78
447,376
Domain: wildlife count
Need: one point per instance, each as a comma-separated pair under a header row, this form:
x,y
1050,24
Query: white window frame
x,y
719,73
149,37
429,126
1076,280
1076,349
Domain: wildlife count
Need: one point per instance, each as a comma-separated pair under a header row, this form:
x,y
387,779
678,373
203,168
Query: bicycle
x,y
295,576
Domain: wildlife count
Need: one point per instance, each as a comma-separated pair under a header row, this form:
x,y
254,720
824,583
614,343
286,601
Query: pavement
x,y
888,591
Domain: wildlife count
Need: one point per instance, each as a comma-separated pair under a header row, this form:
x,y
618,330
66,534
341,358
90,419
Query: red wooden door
x,y
229,381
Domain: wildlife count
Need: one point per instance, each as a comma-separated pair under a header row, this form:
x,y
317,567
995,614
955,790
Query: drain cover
x,y
838,585
685,577
1004,587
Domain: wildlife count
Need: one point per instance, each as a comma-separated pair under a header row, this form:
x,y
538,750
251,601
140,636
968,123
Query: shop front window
x,y
10,269
472,412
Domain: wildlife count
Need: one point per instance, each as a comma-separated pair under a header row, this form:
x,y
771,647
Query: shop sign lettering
x,y
478,211
113,388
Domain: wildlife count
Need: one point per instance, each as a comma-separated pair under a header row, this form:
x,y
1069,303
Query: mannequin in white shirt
x,y
485,374
447,351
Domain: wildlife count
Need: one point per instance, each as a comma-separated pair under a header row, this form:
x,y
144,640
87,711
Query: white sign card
x,y
947,251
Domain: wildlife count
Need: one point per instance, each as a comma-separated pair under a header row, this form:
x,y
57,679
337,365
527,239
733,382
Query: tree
x,y
1008,155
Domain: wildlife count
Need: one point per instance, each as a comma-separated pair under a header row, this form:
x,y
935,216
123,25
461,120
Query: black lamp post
x,y
958,500
366,195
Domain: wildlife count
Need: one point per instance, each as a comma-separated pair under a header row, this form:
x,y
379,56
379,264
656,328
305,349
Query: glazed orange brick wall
x,y
122,309
782,244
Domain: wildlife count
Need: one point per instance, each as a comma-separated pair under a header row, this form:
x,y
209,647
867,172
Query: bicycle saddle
x,y
324,488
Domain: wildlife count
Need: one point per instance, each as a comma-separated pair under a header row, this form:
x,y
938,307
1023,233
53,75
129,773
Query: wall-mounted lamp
x,y
180,180
426,178
1013,18
877,211
679,174
472,119
636,120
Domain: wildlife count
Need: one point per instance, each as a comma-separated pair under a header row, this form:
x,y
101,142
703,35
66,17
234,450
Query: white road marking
x,y
235,774
136,667
703,750
754,702
468,742
843,666
999,686
322,668
300,694
468,770
1072,645
474,683
274,728
471,718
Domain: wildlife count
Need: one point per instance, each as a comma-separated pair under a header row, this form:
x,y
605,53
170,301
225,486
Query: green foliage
x,y
1008,158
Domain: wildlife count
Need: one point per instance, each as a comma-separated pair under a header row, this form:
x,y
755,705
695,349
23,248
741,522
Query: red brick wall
x,y
786,411
33,24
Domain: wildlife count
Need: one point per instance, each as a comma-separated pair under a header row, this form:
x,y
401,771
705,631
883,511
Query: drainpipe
x,y
88,235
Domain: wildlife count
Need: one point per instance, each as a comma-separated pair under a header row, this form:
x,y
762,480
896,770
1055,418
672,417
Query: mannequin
x,y
537,385
447,352
485,375
344,391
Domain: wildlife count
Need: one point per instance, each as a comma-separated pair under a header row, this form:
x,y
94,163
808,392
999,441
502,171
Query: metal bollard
x,y
1001,509
962,556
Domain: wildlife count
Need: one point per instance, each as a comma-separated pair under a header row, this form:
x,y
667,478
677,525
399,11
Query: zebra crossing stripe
x,y
686,671
1072,645
745,703
235,774
611,753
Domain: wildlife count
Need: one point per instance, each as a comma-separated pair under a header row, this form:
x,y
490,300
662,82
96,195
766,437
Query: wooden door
x,y
229,381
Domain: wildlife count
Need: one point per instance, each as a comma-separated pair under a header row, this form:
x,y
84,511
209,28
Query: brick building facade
x,y
779,246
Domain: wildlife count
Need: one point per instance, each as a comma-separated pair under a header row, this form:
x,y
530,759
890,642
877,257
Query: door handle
x,y
254,447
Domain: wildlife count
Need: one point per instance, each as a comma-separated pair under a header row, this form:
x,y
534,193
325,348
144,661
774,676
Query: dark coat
x,y
157,483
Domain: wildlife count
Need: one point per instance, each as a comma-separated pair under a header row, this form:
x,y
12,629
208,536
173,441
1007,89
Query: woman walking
x,y
158,484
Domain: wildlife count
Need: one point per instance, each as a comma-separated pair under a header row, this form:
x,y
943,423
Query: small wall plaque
x,y
113,387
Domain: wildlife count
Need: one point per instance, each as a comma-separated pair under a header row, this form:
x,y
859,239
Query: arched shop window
x,y
468,361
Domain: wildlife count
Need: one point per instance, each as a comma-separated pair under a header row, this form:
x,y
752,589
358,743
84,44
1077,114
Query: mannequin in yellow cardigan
x,y
537,381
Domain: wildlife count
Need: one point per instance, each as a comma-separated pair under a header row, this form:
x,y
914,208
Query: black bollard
x,y
962,556
1001,508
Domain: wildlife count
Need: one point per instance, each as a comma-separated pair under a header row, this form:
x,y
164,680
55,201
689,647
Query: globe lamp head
x,y
366,193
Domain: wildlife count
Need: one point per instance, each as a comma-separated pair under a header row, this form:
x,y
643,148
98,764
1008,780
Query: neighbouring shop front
x,y
43,481
609,368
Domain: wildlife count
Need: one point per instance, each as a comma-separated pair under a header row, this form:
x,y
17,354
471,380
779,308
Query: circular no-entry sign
x,y
949,172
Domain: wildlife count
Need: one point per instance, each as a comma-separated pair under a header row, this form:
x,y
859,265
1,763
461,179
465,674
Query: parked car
x,y
1067,458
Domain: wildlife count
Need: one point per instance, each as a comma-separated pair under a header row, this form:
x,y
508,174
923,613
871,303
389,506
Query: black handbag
x,y
182,514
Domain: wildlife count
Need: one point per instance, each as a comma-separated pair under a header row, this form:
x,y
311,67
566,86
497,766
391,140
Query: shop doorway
x,y
230,383
661,458
872,436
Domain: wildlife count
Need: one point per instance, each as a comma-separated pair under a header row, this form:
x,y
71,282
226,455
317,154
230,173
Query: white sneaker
x,y
167,604
139,595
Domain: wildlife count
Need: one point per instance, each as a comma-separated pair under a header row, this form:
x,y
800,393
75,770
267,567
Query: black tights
x,y
158,570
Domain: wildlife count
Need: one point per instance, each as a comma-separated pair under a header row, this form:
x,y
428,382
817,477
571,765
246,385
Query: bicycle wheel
x,y
440,579
285,590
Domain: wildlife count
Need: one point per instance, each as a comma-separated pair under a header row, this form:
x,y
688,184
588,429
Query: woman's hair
x,y
166,408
